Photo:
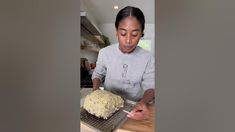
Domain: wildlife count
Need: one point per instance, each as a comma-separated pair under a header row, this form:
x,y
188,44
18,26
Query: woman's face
x,y
129,33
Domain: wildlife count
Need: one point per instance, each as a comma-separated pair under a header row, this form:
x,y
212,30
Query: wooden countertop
x,y
132,125
140,126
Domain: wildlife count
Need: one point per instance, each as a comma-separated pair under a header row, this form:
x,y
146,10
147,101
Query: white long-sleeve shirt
x,y
126,74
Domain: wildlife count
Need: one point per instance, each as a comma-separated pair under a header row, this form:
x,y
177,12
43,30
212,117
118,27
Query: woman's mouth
x,y
128,47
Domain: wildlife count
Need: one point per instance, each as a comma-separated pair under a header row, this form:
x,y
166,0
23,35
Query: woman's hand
x,y
139,112
96,83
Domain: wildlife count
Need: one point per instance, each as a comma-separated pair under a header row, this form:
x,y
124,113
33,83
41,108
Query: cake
x,y
102,103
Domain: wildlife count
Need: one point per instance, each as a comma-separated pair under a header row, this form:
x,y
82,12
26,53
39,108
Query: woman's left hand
x,y
139,112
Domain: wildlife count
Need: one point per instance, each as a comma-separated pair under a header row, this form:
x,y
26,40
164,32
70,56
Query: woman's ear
x,y
142,34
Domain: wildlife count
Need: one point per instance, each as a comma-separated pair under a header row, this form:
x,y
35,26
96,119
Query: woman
x,y
128,69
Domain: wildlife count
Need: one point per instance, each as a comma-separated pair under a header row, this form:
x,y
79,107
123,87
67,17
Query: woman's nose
x,y
128,39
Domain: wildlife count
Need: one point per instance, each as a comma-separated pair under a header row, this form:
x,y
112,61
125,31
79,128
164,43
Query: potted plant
x,y
105,40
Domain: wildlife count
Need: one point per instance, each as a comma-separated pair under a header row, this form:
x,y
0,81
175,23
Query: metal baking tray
x,y
106,125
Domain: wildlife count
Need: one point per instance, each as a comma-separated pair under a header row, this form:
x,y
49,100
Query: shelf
x,y
90,48
89,30
94,38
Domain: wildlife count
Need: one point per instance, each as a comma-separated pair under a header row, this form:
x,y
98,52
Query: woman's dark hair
x,y
130,11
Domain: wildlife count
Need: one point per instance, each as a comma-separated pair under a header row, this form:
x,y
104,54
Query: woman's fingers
x,y
138,116
139,112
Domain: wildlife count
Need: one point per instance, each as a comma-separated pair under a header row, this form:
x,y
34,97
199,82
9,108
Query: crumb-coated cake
x,y
102,103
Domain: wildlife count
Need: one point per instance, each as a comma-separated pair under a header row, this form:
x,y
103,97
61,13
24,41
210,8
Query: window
x,y
145,44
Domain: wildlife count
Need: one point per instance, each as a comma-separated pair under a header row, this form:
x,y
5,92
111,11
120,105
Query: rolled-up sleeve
x,y
100,69
148,80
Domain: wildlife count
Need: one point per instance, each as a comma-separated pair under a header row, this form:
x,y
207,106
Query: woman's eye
x,y
123,34
134,34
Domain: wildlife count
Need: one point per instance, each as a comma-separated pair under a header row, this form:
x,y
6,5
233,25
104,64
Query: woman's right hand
x,y
139,112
